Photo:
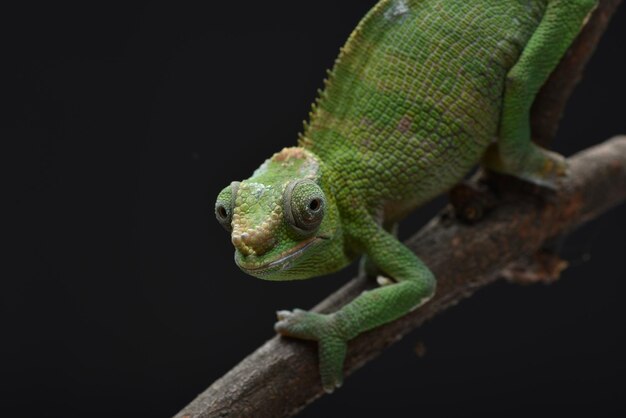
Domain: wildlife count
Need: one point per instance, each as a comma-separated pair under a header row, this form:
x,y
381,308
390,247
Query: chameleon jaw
x,y
281,263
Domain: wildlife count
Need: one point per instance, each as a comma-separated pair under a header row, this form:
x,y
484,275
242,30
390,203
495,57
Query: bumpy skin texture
x,y
421,92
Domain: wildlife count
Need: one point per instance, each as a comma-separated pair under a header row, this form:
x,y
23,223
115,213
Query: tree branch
x,y
281,377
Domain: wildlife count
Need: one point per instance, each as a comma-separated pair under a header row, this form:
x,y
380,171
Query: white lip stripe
x,y
281,260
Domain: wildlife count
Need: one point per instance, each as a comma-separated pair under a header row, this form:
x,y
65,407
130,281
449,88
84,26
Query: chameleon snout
x,y
254,241
256,217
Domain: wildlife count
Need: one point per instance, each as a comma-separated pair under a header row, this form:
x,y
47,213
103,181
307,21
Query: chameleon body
x,y
422,91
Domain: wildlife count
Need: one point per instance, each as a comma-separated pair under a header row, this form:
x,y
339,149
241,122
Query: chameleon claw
x,y
283,315
383,281
336,384
331,389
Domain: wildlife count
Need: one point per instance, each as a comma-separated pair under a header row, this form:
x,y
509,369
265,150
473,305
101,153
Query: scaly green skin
x,y
418,95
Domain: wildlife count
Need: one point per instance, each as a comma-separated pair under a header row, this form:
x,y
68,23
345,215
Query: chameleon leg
x,y
367,267
515,153
414,285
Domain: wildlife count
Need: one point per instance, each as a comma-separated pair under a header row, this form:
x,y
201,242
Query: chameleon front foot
x,y
323,329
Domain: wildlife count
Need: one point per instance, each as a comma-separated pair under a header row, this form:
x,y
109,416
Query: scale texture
x,y
415,96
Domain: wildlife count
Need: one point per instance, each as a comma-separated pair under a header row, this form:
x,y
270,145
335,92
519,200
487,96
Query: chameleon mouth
x,y
282,262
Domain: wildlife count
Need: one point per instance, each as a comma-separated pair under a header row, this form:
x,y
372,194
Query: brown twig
x,y
281,377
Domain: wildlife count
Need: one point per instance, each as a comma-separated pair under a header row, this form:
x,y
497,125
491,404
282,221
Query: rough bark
x,y
281,377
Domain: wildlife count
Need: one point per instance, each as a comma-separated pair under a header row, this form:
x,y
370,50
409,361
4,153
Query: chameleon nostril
x,y
241,245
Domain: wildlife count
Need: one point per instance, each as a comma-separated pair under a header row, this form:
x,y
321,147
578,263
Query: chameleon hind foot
x,y
535,165
546,169
324,329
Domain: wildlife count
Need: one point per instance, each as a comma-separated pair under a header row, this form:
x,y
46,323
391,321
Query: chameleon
x,y
421,93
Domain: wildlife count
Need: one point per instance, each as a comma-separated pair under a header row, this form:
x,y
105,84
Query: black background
x,y
123,125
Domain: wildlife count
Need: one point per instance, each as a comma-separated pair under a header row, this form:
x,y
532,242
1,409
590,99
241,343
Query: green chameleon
x,y
422,91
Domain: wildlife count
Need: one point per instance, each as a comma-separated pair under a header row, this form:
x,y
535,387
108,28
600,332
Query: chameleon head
x,y
283,220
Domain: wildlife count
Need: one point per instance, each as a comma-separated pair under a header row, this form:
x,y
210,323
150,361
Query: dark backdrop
x,y
125,122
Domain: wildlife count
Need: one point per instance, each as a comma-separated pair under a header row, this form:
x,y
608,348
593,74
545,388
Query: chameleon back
x,y
414,98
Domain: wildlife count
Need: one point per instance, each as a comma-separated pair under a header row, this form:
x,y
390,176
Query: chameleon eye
x,y
304,206
225,205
